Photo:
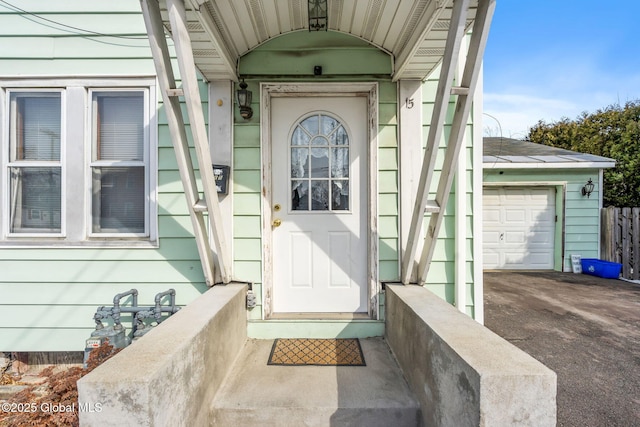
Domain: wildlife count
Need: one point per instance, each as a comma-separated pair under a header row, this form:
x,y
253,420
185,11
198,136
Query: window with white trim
x,y
77,164
34,168
118,163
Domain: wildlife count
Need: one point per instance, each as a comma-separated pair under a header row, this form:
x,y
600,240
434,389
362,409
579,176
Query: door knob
x,y
276,222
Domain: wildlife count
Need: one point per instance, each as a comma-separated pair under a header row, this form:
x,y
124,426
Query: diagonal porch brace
x,y
186,64
166,81
445,83
470,76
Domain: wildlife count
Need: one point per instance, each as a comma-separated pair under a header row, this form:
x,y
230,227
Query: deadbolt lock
x,y
276,207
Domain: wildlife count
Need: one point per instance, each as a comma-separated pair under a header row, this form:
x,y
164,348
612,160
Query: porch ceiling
x,y
413,32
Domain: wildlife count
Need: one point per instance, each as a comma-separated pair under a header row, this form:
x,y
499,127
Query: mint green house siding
x,y
51,287
443,275
247,201
388,183
50,290
84,38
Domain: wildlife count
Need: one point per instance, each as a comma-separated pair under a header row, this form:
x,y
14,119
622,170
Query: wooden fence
x,y
620,239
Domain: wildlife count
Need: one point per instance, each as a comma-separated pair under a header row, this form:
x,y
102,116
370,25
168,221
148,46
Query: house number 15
x,y
409,102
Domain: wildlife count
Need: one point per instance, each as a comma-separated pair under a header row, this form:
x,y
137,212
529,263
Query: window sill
x,y
61,244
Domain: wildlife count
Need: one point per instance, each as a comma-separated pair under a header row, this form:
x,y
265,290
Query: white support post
x,y
410,145
472,69
476,196
186,64
452,50
167,84
221,144
460,259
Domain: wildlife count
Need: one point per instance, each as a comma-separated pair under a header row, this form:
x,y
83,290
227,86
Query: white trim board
x,y
367,89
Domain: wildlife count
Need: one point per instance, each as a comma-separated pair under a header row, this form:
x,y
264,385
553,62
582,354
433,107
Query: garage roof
x,y
504,153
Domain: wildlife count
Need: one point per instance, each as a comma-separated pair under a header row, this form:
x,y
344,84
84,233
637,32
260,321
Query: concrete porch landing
x,y
198,368
256,394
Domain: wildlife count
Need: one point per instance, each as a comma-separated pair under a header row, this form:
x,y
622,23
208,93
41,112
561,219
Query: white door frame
x,y
368,90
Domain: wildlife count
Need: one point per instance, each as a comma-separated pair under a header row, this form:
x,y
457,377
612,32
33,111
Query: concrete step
x,y
256,394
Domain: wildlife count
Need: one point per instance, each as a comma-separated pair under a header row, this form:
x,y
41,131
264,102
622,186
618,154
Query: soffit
x,y
413,32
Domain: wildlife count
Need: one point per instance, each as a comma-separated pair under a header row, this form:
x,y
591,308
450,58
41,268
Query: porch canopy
x,y
413,32
212,35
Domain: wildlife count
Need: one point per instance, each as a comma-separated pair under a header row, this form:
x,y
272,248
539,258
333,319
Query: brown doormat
x,y
318,352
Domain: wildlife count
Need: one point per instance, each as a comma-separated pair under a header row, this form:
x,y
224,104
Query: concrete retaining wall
x,y
169,376
462,373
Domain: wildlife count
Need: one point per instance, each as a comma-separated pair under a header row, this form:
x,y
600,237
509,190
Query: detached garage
x,y
535,211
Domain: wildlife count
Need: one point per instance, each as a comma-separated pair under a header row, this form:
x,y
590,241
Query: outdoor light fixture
x,y
588,188
244,101
317,15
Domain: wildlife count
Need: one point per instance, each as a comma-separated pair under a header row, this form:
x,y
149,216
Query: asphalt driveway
x,y
585,328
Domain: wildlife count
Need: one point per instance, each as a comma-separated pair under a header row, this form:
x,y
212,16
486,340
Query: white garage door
x,y
519,227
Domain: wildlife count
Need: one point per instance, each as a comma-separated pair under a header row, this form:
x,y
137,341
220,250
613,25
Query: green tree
x,y
613,132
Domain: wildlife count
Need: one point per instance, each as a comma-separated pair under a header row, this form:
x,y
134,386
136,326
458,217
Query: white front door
x,y
319,204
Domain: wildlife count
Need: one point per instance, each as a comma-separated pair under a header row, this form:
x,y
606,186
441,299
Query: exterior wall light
x,y
244,101
317,15
588,188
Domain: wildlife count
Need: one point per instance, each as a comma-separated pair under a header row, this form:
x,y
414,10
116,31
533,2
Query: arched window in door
x,y
319,159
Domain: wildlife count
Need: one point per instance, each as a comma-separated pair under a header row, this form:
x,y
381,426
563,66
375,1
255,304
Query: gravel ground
x,y
585,328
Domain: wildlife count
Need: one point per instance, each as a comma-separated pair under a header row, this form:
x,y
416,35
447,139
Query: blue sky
x,y
549,59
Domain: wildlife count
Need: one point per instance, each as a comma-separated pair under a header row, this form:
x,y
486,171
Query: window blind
x,y
120,126
37,128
